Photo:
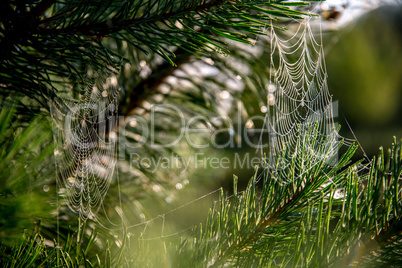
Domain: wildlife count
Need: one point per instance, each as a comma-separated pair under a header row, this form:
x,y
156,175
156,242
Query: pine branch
x,y
367,222
294,195
41,8
52,45
105,28
255,235
147,86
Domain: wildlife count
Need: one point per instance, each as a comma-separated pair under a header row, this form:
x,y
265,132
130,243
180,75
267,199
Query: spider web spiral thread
x,y
298,100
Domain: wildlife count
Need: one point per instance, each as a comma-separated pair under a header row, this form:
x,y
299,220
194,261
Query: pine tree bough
x,y
49,36
105,28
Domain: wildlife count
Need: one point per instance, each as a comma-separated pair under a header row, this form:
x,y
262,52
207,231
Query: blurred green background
x,y
364,62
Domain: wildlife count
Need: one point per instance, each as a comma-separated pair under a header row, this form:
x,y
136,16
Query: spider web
x,y
298,100
85,144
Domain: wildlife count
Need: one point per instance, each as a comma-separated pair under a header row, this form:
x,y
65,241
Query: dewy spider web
x,y
298,99
85,144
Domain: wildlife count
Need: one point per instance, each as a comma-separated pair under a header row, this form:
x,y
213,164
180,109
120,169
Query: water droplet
x,y
271,99
324,7
133,123
158,98
113,136
238,77
113,81
146,105
263,109
56,152
224,95
249,124
164,88
104,94
179,186
271,88
46,188
156,188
